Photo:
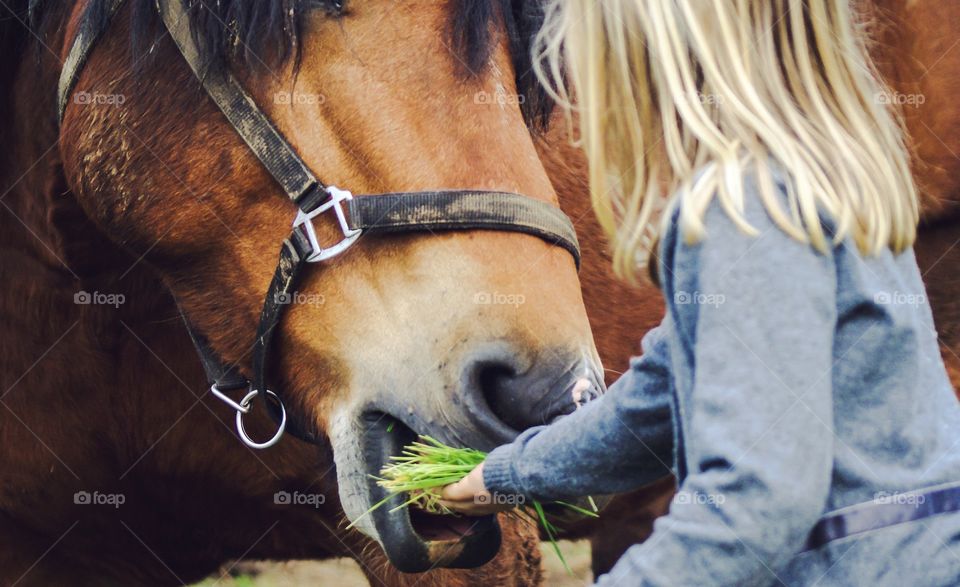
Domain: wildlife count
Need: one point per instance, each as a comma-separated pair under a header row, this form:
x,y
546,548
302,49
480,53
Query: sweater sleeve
x,y
616,443
758,425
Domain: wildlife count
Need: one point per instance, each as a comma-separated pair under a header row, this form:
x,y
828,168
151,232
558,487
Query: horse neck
x,y
31,183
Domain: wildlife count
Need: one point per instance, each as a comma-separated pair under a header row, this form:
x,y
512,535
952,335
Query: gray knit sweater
x,y
782,385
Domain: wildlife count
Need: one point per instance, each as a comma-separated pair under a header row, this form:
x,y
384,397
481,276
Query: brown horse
x,y
93,371
117,467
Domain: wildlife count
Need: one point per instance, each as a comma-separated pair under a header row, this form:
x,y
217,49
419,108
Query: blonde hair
x,y
669,89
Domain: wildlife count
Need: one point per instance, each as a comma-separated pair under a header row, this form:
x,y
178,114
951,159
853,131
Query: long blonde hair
x,y
669,89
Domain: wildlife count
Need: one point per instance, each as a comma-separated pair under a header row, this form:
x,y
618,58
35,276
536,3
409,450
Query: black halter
x,y
380,214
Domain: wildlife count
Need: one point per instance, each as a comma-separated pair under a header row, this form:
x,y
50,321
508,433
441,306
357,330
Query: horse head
x,y
468,336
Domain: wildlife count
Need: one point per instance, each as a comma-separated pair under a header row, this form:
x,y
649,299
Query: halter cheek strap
x,y
426,212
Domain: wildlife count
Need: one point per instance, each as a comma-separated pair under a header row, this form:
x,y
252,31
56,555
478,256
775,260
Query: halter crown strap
x,y
253,126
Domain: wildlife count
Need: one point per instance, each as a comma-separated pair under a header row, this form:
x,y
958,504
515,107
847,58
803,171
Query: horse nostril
x,y
498,386
504,400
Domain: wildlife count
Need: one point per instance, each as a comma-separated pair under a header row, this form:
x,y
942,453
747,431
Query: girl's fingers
x,y
467,488
457,492
469,508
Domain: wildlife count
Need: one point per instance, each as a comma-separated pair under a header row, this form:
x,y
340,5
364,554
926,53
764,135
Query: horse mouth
x,y
416,541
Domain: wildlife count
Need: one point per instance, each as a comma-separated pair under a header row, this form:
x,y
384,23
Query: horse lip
x,y
407,551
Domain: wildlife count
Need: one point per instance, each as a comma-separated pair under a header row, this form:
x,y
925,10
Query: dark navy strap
x,y
897,509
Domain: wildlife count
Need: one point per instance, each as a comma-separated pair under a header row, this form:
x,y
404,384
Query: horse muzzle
x,y
496,400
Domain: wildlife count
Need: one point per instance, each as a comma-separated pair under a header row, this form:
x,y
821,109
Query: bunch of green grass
x,y
427,465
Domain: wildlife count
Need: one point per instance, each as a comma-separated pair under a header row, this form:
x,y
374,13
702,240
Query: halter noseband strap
x,y
379,214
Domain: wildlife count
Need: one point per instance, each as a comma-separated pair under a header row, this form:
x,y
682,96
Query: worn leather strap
x,y
256,130
282,287
225,377
464,210
253,126
88,33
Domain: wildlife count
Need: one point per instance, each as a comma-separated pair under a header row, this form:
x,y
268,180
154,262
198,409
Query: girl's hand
x,y
470,496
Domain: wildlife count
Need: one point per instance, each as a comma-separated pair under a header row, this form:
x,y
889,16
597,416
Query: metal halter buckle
x,y
304,221
243,408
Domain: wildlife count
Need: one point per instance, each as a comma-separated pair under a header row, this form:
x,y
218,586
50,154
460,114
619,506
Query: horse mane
x,y
247,32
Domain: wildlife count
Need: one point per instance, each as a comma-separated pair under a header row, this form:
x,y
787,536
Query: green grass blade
x,y
578,509
551,535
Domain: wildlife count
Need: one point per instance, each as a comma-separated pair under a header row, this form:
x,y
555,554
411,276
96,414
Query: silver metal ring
x,y
245,402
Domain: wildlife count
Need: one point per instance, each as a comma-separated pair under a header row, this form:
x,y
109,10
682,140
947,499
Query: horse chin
x,y
368,431
415,541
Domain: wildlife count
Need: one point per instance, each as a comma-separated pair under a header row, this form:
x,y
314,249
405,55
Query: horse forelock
x,y
255,34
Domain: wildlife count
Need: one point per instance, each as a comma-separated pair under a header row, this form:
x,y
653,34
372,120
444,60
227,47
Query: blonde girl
x,y
745,151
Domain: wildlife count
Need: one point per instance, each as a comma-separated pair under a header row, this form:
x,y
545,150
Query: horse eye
x,y
336,6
